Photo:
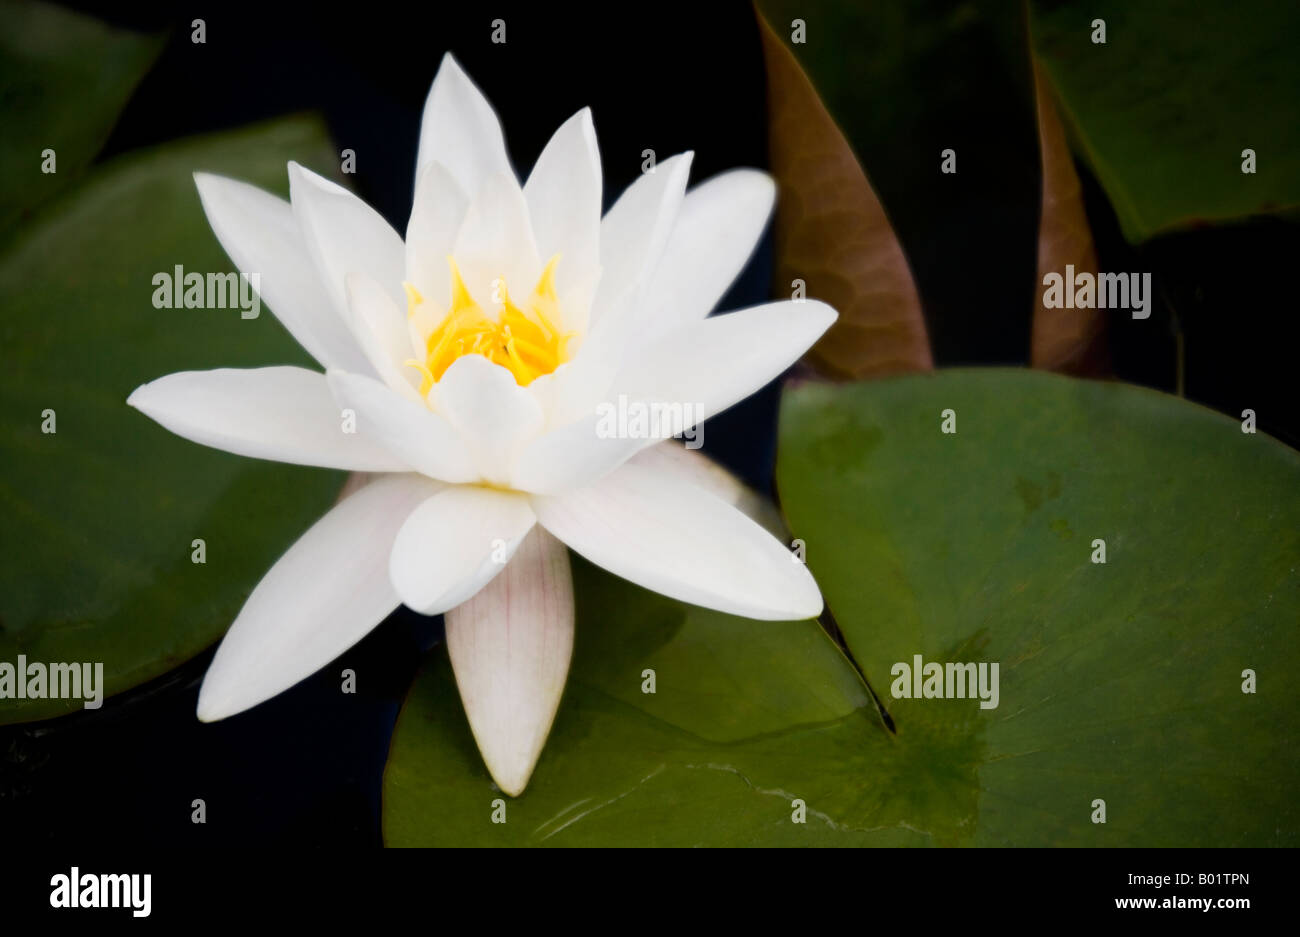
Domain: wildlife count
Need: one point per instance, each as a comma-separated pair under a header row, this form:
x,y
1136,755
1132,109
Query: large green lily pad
x,y
1119,682
95,564
64,78
1163,109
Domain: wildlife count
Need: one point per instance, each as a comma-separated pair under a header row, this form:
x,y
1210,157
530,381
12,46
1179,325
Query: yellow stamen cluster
x,y
524,341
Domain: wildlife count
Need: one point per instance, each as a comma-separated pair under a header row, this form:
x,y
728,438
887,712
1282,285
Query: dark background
x,y
306,767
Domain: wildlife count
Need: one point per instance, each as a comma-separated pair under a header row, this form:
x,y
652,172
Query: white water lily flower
x,y
474,357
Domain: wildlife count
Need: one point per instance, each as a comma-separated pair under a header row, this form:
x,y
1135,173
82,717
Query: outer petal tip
x,y
765,187
210,707
206,713
204,180
512,778
298,175
147,397
819,315
812,606
450,70
805,596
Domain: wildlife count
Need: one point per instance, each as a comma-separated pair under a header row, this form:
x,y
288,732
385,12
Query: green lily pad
x,y
1120,681
1163,109
95,564
49,58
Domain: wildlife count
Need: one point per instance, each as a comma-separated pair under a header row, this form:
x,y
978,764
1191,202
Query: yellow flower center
x,y
523,340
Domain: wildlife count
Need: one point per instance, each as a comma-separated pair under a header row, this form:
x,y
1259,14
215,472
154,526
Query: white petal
x,y
436,217
719,223
496,242
680,540
380,329
510,647
693,466
634,232
460,130
423,439
262,237
572,456
455,543
345,235
564,196
719,361
325,594
701,369
633,235
281,413
493,415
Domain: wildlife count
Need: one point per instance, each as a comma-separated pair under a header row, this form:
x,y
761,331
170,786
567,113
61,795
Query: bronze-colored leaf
x,y
832,233
1068,340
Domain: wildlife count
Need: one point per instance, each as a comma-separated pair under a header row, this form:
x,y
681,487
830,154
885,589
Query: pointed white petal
x,y
719,361
282,413
460,130
678,539
719,223
633,236
325,594
379,327
510,647
423,439
700,369
496,242
634,232
262,237
436,216
455,543
345,235
564,197
490,411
